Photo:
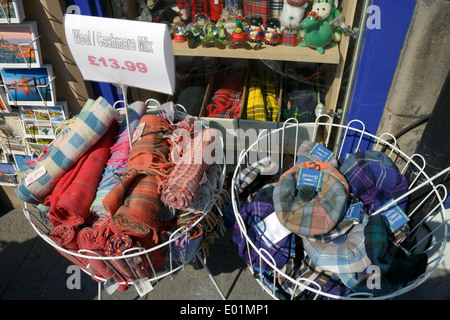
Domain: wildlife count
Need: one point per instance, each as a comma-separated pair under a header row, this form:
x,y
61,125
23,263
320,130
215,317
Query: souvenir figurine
x,y
178,32
222,31
255,31
193,35
272,34
293,13
212,37
318,33
327,11
239,32
201,19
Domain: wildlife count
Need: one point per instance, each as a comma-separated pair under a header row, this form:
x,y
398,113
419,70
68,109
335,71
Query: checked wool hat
x,y
315,213
304,154
374,178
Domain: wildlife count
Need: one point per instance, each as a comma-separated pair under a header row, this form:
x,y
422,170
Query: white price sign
x,y
123,52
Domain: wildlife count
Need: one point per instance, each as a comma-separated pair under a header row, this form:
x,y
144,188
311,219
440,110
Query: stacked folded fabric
x,y
106,199
343,239
261,102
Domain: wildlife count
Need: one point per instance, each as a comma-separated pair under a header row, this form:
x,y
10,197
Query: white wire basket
x,y
134,267
430,240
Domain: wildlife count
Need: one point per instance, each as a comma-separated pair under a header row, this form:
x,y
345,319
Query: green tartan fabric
x,y
317,216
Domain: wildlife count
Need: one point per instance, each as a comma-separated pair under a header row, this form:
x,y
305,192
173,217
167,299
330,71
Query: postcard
x,y
11,11
12,136
41,122
30,87
8,175
19,46
4,106
23,162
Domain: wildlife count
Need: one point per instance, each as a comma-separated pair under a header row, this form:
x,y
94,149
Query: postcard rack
x,y
431,239
175,260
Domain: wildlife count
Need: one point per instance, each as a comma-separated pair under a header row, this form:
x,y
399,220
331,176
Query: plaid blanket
x,y
256,108
72,196
260,8
301,105
67,149
227,99
118,160
271,101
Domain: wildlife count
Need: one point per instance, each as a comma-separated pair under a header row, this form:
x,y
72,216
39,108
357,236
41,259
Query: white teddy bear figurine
x,y
292,14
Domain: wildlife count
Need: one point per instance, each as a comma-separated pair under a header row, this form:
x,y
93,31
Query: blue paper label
x,y
354,213
394,217
321,153
310,177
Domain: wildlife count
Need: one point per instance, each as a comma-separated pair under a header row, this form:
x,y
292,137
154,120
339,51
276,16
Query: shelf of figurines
x,y
264,52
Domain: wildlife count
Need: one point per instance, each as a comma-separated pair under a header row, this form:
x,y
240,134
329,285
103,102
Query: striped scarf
x,y
178,190
118,160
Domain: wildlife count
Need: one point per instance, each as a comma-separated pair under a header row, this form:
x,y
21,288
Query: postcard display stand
x,y
175,260
28,106
427,235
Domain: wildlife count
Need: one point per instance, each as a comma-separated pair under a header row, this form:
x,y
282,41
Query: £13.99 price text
x,y
113,63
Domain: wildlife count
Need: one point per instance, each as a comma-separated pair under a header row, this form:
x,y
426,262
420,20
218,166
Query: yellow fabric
x,y
271,102
256,109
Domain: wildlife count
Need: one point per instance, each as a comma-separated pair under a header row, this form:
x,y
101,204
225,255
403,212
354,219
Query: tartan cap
x,y
304,155
345,254
322,212
253,215
374,178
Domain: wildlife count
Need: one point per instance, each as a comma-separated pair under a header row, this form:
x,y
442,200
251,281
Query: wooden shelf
x,y
267,52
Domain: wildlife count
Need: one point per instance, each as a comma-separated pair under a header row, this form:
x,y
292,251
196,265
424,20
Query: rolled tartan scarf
x,y
88,240
66,237
179,188
211,187
68,148
73,195
256,108
186,246
133,268
139,213
117,162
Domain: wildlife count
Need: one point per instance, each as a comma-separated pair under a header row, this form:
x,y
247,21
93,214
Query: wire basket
x,y
427,236
135,266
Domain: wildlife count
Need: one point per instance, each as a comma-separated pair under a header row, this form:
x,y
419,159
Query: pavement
x,y
30,269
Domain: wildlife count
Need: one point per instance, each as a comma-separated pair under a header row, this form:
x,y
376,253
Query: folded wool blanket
x,y
66,238
117,163
87,240
73,194
227,99
68,148
178,190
